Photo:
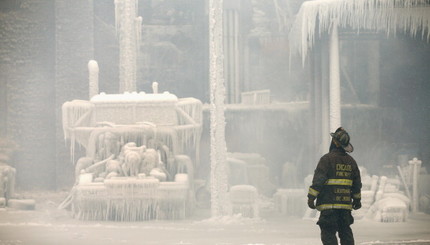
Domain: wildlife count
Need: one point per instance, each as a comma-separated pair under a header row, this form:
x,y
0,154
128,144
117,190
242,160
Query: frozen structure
x,y
290,201
7,183
247,177
390,205
141,149
7,173
218,156
8,197
244,201
397,16
137,164
249,169
317,18
383,199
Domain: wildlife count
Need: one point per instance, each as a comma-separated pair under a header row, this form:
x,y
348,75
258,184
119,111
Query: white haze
x,y
388,122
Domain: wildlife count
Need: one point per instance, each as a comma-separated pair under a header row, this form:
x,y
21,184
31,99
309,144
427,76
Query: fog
x,y
45,47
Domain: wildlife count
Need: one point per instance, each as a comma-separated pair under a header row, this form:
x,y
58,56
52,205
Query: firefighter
x,y
336,186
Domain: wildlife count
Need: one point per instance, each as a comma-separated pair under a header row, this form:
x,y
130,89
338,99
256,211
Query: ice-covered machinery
x,y
141,155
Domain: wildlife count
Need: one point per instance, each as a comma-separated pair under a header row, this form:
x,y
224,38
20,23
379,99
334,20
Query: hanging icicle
x,y
389,16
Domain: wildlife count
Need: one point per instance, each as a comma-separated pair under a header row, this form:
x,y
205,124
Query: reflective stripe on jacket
x,y
336,181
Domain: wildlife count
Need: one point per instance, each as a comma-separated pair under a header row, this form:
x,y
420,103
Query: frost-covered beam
x,y
390,16
128,27
218,155
335,112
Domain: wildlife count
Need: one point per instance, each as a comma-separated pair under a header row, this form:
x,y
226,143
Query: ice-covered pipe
x,y
218,155
416,165
128,31
93,70
155,87
334,79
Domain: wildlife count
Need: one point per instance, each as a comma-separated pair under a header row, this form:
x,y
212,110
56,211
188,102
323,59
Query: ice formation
x,y
136,144
390,16
93,70
176,122
290,201
218,153
136,165
7,172
244,200
335,111
128,26
383,200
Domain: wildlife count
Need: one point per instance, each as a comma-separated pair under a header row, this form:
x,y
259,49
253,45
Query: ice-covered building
x,y
273,103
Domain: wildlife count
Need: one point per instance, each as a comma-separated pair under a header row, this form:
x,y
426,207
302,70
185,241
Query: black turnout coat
x,y
336,181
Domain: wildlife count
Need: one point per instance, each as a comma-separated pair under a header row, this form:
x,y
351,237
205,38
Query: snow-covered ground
x,y
47,225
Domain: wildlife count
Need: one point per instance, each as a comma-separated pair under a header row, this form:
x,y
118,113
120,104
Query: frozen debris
x,y
244,200
250,169
389,209
7,181
368,193
290,201
384,201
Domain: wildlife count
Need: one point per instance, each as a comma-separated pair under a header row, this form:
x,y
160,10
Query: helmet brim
x,y
348,148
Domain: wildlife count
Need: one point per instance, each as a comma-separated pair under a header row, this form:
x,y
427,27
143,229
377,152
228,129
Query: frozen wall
x,y
27,56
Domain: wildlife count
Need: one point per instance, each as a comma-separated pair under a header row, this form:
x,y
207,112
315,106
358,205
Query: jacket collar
x,y
338,151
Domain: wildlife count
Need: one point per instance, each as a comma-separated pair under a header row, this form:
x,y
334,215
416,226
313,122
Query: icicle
x,y
407,16
131,199
76,113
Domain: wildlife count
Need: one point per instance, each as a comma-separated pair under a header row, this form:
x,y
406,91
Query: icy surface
x,y
48,225
131,97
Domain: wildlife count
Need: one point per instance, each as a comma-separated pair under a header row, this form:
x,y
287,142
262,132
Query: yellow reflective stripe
x,y
313,192
339,182
356,195
334,206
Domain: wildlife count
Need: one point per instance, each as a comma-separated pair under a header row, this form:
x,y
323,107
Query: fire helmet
x,y
342,137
